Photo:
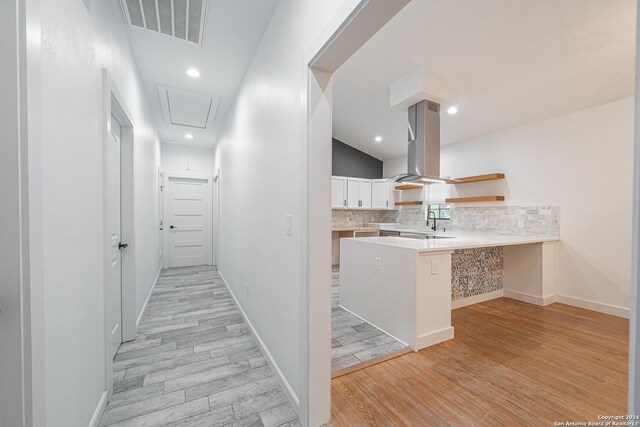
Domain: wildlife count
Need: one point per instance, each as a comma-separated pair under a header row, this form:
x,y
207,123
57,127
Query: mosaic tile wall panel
x,y
357,218
476,271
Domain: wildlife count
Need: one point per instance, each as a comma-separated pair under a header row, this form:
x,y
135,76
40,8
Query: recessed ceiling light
x,y
192,72
378,139
452,110
189,136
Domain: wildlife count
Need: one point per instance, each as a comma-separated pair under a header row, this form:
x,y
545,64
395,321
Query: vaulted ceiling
x,y
512,62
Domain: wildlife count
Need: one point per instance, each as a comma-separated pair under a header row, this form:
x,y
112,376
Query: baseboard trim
x,y
433,338
613,310
291,395
476,299
97,414
144,307
528,298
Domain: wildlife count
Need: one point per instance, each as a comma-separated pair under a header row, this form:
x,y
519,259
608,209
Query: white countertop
x,y
457,241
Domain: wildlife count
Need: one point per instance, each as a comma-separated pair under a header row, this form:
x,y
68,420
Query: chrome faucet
x,y
434,220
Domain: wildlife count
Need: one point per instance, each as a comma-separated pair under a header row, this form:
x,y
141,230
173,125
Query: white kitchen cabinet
x,y
364,193
338,192
382,194
353,200
359,193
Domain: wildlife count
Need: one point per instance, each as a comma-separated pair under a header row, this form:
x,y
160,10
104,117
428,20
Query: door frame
x,y
216,218
352,26
113,104
167,207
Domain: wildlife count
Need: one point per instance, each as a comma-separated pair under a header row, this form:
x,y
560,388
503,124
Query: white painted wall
x,y
187,159
259,155
76,46
582,162
393,167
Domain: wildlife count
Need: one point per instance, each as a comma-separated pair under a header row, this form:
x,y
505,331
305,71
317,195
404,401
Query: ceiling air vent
x,y
183,19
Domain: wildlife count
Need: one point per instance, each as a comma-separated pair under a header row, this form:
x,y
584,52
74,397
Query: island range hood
x,y
423,165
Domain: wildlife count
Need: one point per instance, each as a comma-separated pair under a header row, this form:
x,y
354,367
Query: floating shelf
x,y
409,187
410,203
475,199
478,178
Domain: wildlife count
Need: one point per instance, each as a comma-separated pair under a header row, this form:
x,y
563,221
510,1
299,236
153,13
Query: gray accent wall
x,y
349,161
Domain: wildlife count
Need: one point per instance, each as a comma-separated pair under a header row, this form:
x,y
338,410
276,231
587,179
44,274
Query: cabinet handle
x,y
344,202
387,203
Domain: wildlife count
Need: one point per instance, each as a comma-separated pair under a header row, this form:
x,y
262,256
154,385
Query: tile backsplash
x,y
510,220
360,217
533,220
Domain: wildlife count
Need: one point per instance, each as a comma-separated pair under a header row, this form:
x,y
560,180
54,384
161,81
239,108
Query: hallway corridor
x,y
194,362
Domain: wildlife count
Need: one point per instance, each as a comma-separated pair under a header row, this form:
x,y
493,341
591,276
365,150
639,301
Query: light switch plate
x,y
379,264
435,267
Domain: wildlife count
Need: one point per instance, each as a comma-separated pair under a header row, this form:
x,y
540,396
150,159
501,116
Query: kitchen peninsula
x,y
403,286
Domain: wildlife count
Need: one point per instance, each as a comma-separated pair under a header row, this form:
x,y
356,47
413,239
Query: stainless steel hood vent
x,y
423,164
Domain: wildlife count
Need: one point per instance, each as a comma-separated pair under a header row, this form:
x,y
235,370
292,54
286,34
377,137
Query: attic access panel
x,y
182,19
188,108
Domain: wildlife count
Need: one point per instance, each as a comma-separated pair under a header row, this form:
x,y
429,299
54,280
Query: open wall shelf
x,y
410,203
409,187
478,178
475,199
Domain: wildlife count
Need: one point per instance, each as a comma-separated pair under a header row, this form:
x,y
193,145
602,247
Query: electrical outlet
x,y
521,223
379,264
289,224
247,289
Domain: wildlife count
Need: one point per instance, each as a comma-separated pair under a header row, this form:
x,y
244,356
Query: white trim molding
x,y
435,337
528,298
144,306
594,306
476,299
291,395
97,414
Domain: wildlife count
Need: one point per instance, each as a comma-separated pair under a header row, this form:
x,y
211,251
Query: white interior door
x,y
189,221
115,235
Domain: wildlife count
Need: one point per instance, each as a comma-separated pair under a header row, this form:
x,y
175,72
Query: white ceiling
x,y
233,30
513,62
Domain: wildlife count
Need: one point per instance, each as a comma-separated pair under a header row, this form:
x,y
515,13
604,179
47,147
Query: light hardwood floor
x,y
194,362
510,364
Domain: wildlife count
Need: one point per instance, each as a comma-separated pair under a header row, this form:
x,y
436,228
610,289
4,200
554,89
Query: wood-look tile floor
x,y
510,364
354,341
194,362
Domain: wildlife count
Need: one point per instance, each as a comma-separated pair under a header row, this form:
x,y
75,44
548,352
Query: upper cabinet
x,y
338,192
364,193
359,193
381,194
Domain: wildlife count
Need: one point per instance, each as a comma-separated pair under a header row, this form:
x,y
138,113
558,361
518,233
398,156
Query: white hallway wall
x,y
76,46
582,162
259,155
188,160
